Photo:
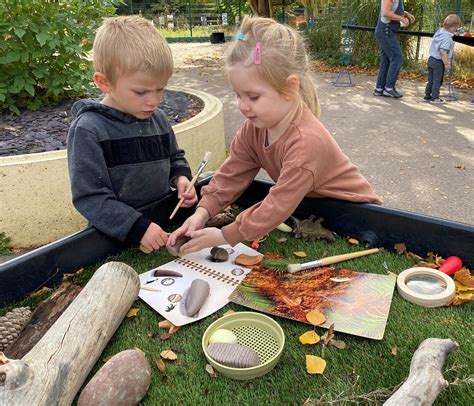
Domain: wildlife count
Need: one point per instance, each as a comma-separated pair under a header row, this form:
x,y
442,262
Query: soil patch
x,y
46,129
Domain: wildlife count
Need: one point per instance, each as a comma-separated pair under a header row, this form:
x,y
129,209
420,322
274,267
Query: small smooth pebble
x,y
233,355
223,335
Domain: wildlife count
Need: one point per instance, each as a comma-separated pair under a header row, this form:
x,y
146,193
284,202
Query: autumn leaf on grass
x,y
210,371
310,337
160,364
169,355
133,312
394,351
464,277
164,324
326,338
300,254
315,364
315,317
339,344
44,289
352,241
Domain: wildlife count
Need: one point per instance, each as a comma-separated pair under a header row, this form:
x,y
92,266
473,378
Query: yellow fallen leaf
x,y
464,276
310,337
133,312
169,355
160,364
299,254
315,364
462,288
466,296
353,241
315,317
394,351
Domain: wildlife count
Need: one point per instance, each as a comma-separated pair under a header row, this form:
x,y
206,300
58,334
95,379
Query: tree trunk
x,y
54,370
44,316
425,380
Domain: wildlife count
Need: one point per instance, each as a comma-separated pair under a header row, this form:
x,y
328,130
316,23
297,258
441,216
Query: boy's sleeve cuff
x,y
181,171
138,229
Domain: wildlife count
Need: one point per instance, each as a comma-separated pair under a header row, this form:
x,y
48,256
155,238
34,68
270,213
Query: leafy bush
x,y
43,49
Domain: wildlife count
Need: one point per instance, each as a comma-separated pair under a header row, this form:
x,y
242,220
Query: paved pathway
x,y
419,156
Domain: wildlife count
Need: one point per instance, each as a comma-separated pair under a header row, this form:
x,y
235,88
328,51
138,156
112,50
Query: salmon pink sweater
x,y
304,161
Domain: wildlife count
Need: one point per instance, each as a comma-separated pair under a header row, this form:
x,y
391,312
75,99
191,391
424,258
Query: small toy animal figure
x,y
311,229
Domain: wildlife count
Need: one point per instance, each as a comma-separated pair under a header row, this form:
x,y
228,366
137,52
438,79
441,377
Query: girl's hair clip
x,y
257,54
240,36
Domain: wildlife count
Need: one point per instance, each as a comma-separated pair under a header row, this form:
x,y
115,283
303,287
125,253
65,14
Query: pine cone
x,y
12,324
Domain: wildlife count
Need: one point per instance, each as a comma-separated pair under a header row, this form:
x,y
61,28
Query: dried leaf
x,y
164,324
464,277
315,364
353,241
315,317
328,335
160,364
44,289
400,248
300,254
210,371
394,351
169,355
466,296
229,312
310,337
173,329
339,344
133,312
164,336
281,240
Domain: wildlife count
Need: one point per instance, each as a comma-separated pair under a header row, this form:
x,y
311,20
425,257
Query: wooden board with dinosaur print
x,y
357,303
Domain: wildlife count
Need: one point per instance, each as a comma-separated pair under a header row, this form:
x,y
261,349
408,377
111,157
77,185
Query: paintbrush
x,y
292,268
193,181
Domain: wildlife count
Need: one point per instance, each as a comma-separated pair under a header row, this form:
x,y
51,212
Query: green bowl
x,y
254,330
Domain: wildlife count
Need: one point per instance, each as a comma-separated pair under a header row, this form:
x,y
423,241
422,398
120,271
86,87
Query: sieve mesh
x,y
261,341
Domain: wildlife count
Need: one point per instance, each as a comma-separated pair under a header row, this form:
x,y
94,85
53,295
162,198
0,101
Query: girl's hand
x,y
190,198
405,22
207,237
154,237
195,222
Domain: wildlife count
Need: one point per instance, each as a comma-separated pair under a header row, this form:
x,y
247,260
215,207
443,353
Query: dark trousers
x,y
390,54
435,77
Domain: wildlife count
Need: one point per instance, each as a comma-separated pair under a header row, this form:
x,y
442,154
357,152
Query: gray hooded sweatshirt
x,y
118,163
442,40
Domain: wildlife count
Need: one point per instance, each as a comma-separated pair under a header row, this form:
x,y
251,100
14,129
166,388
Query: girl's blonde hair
x,y
283,53
128,44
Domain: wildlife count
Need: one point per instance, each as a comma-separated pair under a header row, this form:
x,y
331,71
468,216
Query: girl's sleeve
x,y
232,178
292,186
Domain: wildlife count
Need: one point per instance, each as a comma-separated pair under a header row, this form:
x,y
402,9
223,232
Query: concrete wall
x,y
35,196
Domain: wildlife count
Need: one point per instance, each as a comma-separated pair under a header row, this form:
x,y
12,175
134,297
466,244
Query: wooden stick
x,y
292,268
193,181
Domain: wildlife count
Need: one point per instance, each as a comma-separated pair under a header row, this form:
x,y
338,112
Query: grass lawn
x,y
362,367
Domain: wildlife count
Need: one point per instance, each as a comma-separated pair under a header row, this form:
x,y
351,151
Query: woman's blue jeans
x,y
390,55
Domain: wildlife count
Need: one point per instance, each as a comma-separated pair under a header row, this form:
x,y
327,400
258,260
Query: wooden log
x,y
425,380
44,316
54,370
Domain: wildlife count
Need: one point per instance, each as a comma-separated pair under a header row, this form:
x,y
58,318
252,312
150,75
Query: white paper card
x,y
223,278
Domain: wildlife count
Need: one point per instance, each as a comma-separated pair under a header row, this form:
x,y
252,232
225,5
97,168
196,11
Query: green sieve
x,y
254,330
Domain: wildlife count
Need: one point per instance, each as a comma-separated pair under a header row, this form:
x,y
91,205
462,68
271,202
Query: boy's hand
x,y
154,237
193,223
207,237
447,66
190,198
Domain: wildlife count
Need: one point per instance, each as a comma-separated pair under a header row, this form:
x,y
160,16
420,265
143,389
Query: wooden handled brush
x,y
292,268
203,163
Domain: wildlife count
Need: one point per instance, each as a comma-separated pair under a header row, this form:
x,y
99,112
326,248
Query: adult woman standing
x,y
392,16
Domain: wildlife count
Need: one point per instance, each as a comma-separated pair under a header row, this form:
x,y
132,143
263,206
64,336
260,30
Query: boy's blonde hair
x,y
128,44
451,21
283,53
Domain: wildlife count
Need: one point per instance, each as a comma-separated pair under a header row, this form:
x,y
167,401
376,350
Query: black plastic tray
x,y
374,225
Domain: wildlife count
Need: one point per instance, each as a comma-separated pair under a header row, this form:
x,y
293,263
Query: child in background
x,y
268,68
122,152
441,53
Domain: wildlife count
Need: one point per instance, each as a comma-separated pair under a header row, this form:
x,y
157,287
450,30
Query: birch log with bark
x,y
425,380
56,367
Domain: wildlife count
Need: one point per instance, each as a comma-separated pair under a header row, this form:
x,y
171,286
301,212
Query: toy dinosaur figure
x,y
311,229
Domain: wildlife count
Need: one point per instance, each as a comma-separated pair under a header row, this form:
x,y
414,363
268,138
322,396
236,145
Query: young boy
x,y
441,53
122,152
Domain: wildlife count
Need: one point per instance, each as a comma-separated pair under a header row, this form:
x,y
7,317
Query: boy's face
x,y
138,94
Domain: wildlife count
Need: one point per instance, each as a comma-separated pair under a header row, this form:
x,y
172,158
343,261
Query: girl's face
x,y
259,102
138,94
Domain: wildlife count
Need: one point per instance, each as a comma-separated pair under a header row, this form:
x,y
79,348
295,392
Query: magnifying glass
x,y
426,287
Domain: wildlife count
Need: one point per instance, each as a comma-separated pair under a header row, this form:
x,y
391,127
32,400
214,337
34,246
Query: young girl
x,y
268,68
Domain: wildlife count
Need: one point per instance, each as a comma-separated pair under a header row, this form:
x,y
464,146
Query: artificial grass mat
x,y
363,367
